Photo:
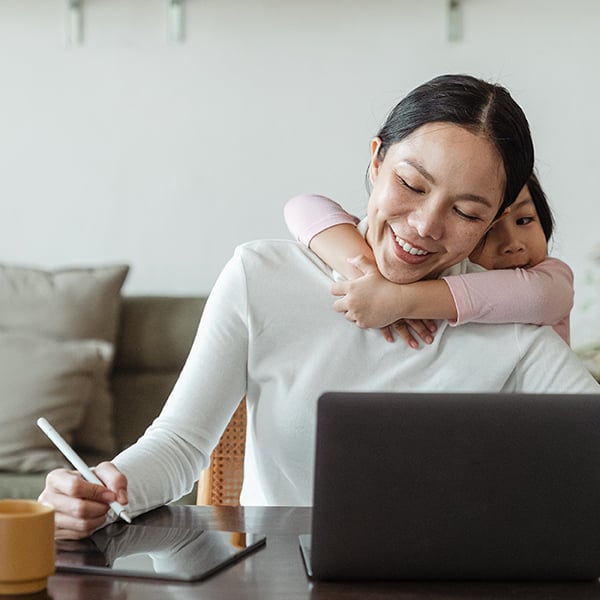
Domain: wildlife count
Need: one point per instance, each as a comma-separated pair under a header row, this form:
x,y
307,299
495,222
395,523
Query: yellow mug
x,y
27,547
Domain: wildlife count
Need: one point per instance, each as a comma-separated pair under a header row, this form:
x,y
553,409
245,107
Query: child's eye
x,y
525,220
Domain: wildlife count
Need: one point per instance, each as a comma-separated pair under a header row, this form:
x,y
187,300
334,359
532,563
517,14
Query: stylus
x,y
78,463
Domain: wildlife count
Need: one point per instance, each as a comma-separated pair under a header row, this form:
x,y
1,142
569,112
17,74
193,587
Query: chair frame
x,y
221,482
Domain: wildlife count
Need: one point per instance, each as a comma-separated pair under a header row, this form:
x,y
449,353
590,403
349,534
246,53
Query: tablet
x,y
180,554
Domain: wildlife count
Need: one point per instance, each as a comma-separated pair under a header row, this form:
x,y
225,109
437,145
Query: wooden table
x,y
277,572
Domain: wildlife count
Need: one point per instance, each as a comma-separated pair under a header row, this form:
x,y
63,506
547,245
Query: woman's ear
x,y
375,163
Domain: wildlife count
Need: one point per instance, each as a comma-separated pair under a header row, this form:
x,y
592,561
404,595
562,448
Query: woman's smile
x,y
409,252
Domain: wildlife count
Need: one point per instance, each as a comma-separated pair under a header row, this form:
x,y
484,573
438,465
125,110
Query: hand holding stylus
x,y
78,463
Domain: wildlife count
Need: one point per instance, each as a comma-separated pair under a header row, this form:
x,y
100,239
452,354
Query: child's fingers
x,y
431,325
362,264
339,288
341,305
402,330
387,333
421,328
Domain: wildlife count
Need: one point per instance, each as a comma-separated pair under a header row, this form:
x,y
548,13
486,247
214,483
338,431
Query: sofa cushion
x,y
69,304
42,376
155,337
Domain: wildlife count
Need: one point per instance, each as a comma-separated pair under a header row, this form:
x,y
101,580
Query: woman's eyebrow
x,y
476,198
419,167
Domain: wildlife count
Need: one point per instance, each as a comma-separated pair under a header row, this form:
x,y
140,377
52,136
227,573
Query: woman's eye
x,y
466,216
410,187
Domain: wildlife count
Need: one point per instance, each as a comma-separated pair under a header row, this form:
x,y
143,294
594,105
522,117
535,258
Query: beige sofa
x,y
153,338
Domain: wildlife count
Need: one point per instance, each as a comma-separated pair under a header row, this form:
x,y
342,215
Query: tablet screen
x,y
158,552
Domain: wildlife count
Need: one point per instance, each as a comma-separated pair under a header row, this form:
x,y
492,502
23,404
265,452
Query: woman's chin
x,y
403,273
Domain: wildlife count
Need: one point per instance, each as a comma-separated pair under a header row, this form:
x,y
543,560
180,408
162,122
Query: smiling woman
x,y
426,211
484,109
450,158
459,152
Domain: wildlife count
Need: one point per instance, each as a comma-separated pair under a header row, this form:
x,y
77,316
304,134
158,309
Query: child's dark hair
x,y
541,206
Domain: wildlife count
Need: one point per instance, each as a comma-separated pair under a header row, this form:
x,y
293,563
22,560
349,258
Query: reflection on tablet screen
x,y
157,552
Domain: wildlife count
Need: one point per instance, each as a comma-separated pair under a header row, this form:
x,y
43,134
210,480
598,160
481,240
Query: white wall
x,y
130,149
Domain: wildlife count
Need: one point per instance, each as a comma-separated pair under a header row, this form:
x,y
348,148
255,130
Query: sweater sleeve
x,y
307,215
167,460
540,295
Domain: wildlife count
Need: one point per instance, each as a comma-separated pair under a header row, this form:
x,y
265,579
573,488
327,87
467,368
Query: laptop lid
x,y
456,486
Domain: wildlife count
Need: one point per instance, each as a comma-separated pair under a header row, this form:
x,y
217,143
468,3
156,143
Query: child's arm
x,y
327,229
330,232
541,295
371,300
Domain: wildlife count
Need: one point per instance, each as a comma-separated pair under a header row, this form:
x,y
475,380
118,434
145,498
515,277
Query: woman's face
x,y
516,240
434,195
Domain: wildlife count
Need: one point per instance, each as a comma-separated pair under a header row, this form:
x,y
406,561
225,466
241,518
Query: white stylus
x,y
76,461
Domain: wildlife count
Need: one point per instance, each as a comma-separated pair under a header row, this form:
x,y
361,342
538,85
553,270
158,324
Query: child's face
x,y
516,240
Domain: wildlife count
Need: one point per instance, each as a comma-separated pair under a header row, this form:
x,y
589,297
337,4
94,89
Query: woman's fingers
x,y
113,479
80,507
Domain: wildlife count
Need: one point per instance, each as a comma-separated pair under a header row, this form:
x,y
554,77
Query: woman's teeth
x,y
410,249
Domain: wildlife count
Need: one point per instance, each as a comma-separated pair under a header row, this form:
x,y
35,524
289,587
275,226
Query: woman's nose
x,y
428,220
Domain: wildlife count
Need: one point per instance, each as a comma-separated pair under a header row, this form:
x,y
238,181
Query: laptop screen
x,y
457,486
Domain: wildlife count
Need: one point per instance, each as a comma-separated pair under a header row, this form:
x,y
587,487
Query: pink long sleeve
x,y
541,295
309,214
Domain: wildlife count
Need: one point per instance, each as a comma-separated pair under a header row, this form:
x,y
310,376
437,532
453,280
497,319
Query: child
x,y
522,284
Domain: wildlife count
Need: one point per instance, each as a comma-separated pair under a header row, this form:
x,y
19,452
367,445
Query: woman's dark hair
x,y
541,206
480,107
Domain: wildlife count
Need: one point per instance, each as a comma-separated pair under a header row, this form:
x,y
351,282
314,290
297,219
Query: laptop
x,y
457,486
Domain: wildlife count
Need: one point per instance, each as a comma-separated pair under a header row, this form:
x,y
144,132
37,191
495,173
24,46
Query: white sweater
x,y
269,331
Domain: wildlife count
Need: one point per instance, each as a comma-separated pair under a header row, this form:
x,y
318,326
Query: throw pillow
x,y
44,377
69,304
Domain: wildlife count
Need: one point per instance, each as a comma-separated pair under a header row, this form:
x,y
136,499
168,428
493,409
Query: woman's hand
x,y
371,301
80,506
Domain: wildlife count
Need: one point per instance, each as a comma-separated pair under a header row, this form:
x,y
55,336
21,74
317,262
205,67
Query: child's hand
x,y
406,328
372,301
369,300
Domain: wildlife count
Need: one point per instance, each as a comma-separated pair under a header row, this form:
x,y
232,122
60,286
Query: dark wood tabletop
x,y
277,570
